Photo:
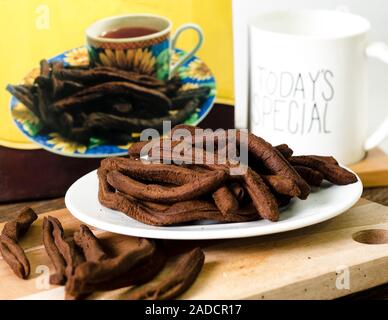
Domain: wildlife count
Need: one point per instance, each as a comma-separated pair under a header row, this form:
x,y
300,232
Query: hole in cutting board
x,y
372,236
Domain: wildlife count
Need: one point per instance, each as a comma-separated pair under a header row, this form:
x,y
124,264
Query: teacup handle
x,y
377,50
189,54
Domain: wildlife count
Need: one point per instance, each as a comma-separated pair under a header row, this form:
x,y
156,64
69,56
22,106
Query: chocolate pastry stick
x,y
122,108
225,200
135,149
26,88
282,200
59,277
238,191
67,121
333,173
11,251
273,160
150,171
183,207
44,103
151,96
172,86
327,159
285,150
313,177
81,134
166,147
68,88
264,201
93,252
262,198
107,74
188,191
183,274
149,205
22,97
111,199
15,257
108,122
189,206
175,208
282,185
183,97
67,248
162,147
137,275
90,245
105,270
45,69
195,139
18,227
62,88
198,157
43,107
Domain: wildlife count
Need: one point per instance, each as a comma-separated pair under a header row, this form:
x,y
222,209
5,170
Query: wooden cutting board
x,y
301,264
373,170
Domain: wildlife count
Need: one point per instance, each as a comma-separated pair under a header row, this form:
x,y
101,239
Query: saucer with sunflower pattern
x,y
194,73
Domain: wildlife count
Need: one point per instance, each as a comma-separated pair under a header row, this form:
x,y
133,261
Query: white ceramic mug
x,y
308,82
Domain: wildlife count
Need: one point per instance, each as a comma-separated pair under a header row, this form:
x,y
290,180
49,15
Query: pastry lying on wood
x,y
92,265
10,249
174,281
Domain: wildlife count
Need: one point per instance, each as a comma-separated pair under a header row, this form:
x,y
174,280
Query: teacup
x,y
138,42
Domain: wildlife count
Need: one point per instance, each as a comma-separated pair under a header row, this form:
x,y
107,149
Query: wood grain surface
x,y
301,264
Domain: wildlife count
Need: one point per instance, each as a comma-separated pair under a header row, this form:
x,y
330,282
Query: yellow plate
x,y
19,145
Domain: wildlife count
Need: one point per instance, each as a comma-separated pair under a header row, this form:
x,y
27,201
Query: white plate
x,y
323,204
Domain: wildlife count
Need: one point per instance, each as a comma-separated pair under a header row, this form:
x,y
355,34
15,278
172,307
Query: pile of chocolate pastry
x,y
85,264
89,104
168,194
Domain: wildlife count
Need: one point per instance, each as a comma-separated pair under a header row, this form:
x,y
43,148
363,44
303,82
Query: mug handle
x,y
189,54
377,50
